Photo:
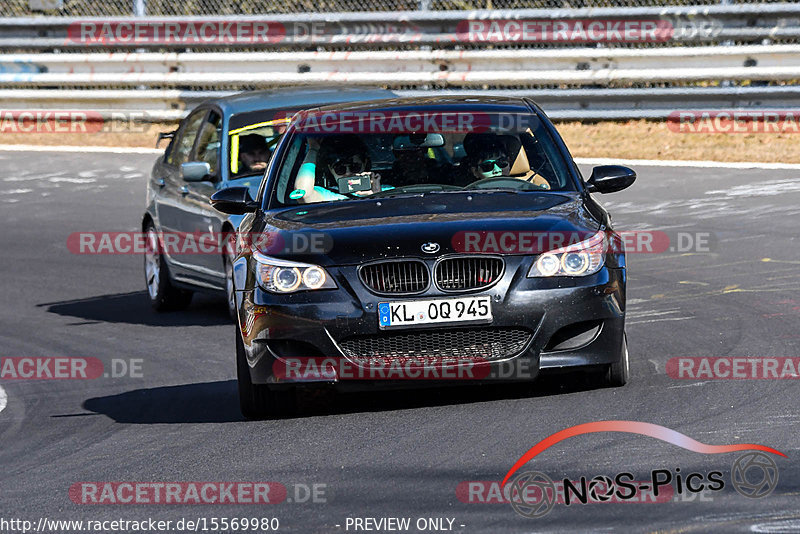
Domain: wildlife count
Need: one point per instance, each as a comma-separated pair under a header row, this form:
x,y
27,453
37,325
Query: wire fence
x,y
122,8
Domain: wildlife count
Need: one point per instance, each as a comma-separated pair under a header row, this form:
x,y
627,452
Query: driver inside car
x,y
489,158
253,153
492,163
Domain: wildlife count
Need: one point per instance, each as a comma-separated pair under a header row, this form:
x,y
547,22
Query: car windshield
x,y
252,146
354,155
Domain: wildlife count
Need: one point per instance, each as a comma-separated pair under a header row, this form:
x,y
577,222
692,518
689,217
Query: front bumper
x,y
573,322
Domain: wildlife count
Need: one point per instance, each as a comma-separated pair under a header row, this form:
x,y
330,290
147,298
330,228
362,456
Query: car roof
x,y
295,97
487,103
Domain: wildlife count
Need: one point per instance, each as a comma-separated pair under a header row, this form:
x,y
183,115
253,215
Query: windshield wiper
x,y
470,191
387,194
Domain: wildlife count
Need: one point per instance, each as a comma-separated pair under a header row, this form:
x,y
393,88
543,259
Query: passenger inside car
x,y
326,163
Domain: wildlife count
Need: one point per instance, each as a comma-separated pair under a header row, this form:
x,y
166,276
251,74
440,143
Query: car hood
x,y
352,232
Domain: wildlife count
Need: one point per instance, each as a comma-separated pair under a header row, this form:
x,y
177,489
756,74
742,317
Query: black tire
x,y
163,295
258,401
618,373
227,261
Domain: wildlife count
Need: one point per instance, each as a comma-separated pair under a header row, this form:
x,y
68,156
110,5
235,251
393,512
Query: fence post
x,y
139,8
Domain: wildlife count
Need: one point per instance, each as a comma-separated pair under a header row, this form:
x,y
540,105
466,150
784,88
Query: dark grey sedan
x,y
224,142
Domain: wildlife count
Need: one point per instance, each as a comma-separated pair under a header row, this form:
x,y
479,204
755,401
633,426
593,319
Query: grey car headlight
x,y
580,259
282,276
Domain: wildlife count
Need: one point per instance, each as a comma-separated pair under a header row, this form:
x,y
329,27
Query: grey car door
x,y
197,218
169,202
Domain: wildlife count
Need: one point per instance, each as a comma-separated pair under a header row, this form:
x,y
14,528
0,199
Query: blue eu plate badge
x,y
383,314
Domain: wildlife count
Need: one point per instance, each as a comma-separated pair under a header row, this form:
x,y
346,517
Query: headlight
x,y
281,276
580,259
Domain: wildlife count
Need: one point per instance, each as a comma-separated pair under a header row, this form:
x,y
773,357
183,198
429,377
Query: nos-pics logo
x,y
533,494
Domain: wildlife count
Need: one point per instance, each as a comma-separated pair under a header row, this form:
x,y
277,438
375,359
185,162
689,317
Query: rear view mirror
x,y
416,141
610,179
195,171
234,201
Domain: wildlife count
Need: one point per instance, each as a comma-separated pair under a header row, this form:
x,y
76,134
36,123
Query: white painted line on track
x,y
3,399
586,161
79,149
689,163
781,525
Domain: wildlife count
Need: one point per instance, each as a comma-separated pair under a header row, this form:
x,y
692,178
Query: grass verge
x,y
624,140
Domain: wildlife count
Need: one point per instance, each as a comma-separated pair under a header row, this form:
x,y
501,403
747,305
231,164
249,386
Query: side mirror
x,y
195,171
610,179
234,201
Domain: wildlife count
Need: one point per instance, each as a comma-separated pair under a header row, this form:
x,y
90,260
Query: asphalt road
x,y
392,454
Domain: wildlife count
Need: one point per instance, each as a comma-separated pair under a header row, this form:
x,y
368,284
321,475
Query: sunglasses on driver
x,y
489,164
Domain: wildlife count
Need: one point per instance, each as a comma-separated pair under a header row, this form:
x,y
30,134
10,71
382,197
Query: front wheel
x,y
258,401
618,372
163,295
230,294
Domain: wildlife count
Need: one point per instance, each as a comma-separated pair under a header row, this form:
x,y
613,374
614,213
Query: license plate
x,y
416,312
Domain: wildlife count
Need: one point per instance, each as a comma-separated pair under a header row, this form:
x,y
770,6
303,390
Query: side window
x,y
208,142
291,162
185,141
541,155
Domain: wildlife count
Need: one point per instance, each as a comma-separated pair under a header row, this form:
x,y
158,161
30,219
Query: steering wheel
x,y
513,183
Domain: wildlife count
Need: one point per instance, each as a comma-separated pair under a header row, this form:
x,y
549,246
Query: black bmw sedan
x,y
427,239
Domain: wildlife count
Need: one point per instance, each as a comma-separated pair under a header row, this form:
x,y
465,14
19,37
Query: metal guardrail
x,y
165,82
398,69
681,24
560,104
255,7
